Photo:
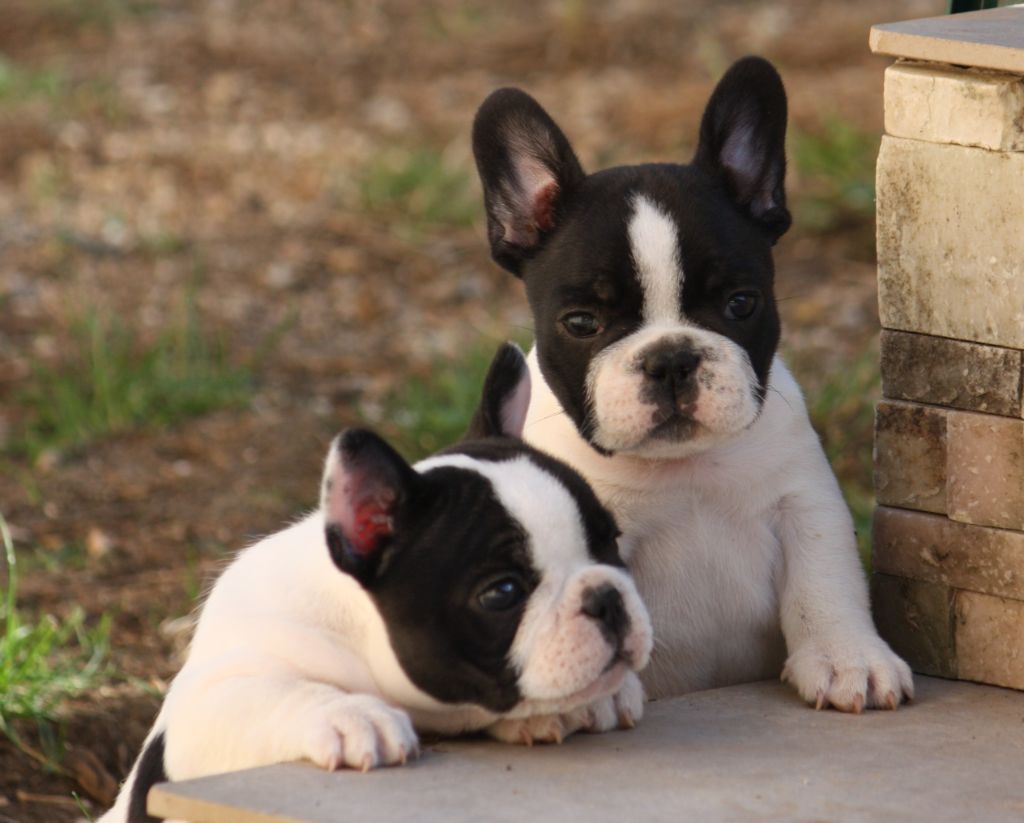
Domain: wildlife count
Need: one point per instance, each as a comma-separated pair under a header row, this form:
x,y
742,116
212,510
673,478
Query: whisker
x,y
547,417
780,394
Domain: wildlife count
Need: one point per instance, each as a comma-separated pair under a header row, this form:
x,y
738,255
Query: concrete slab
x,y
745,753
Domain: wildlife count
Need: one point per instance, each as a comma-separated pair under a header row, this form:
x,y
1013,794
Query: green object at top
x,y
957,6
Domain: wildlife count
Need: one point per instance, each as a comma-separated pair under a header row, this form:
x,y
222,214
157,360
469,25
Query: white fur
x,y
740,550
654,242
291,659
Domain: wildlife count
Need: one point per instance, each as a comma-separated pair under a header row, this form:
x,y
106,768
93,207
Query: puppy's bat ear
x,y
743,141
527,168
365,484
505,397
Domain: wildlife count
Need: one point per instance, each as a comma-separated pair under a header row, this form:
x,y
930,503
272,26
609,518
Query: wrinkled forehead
x,y
542,505
634,227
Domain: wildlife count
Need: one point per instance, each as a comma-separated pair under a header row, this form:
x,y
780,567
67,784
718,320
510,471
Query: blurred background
x,y
230,228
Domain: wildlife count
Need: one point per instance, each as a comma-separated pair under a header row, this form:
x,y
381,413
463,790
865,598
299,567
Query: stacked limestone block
x,y
948,556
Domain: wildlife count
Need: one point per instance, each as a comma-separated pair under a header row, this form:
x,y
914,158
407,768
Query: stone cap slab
x,y
991,39
744,753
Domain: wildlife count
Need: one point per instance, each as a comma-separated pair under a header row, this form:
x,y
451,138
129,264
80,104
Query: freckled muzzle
x,y
580,639
671,391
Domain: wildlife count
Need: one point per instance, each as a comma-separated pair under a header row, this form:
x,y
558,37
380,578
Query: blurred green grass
x,y
44,663
419,189
430,411
101,14
20,83
111,381
834,186
63,97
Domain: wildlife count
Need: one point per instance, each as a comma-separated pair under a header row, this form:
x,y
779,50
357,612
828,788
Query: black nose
x,y
671,367
604,604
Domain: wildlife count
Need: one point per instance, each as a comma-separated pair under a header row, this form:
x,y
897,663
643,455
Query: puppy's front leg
x,y
227,721
835,654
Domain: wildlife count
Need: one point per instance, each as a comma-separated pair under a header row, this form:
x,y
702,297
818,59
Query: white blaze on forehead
x,y
545,509
654,242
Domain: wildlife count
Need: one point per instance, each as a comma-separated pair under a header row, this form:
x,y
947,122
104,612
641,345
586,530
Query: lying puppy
x,y
480,589
655,376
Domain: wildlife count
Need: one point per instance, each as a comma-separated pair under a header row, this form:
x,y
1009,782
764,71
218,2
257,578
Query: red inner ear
x,y
544,207
371,524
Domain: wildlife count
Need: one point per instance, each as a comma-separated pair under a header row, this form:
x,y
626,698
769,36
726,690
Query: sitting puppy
x,y
655,376
480,589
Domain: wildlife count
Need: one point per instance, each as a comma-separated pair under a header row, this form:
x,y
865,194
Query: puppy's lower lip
x,y
676,426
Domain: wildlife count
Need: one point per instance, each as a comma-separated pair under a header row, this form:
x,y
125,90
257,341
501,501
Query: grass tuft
x,y
44,663
19,84
112,383
420,188
62,95
429,412
101,14
836,167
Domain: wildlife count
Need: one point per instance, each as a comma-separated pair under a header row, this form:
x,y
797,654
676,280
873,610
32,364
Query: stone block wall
x,y
948,548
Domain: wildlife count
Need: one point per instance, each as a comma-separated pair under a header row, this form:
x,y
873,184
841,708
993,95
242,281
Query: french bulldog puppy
x,y
656,377
481,588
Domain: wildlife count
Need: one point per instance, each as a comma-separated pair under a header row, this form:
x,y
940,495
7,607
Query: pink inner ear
x,y
371,522
513,410
544,206
361,504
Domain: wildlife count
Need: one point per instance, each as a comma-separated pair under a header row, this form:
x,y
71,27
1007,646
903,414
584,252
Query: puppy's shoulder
x,y
781,445
785,410
266,574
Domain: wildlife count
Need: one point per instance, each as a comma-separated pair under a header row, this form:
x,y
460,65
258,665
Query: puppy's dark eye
x,y
741,305
582,324
502,595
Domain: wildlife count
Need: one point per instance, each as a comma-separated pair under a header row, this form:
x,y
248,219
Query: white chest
x,y
709,573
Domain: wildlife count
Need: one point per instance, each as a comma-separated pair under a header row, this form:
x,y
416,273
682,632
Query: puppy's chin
x,y
579,636
676,438
605,685
629,413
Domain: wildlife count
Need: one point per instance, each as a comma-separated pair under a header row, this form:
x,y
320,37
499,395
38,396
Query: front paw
x,y
539,728
850,674
621,710
359,731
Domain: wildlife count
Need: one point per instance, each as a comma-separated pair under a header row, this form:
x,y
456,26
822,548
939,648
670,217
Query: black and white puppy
x,y
655,376
481,588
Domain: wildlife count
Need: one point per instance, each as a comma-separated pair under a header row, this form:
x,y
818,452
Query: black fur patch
x,y
149,773
506,372
452,540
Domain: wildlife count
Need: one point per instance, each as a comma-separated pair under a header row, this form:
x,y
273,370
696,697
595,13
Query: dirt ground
x,y
234,150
